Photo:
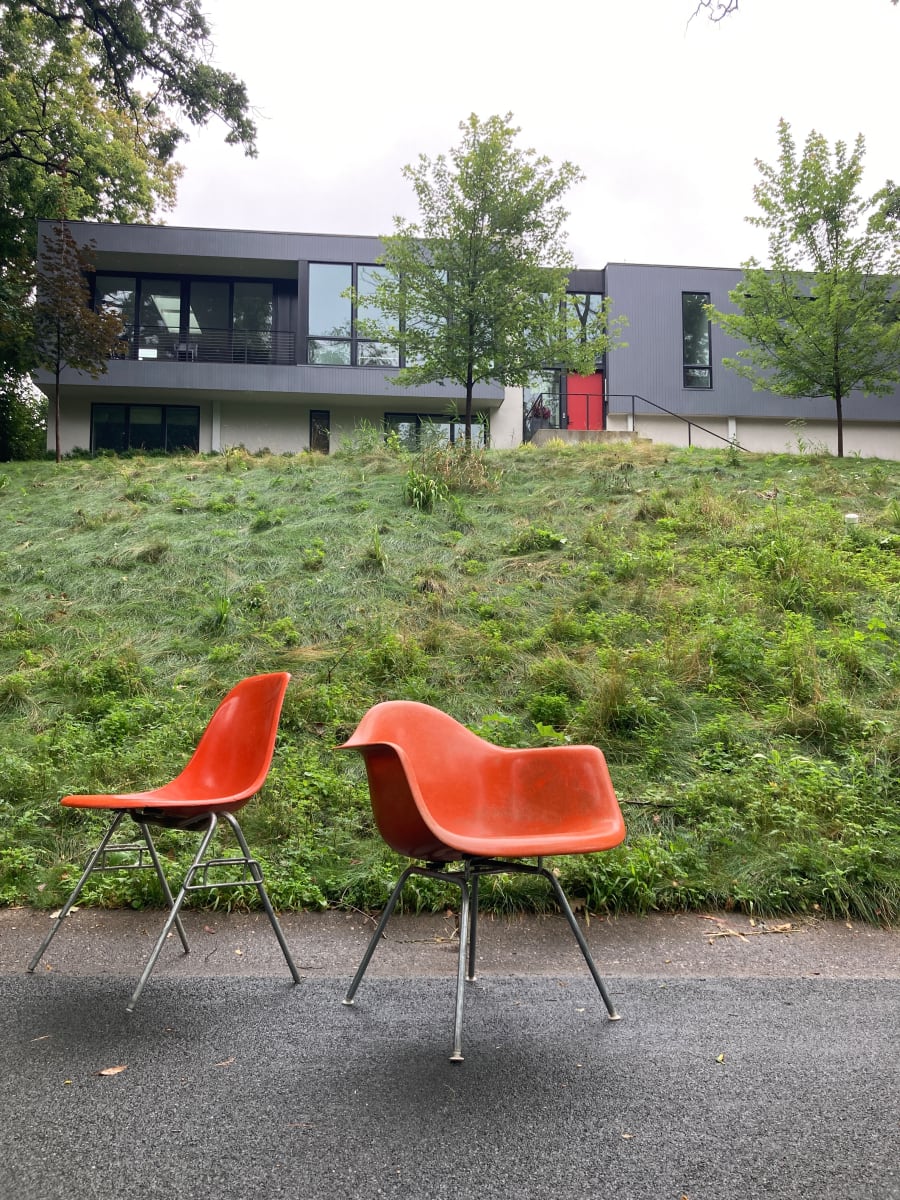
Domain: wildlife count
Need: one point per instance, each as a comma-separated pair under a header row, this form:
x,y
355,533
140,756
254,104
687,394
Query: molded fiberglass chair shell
x,y
228,767
441,794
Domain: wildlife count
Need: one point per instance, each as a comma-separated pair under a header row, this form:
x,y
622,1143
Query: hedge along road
x,y
752,1060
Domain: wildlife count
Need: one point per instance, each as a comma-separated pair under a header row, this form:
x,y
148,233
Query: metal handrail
x,y
678,416
539,403
256,346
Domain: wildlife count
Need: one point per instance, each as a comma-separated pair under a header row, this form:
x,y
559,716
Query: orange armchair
x,y
440,794
228,768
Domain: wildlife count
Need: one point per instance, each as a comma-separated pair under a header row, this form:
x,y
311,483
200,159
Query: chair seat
x,y
159,805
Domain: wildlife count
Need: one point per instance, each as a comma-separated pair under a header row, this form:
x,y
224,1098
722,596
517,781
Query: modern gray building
x,y
239,337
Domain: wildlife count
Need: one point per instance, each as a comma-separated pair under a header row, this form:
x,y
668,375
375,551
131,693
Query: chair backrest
x,y
436,786
234,754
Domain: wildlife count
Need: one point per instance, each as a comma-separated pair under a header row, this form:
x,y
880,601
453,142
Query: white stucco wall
x,y
868,440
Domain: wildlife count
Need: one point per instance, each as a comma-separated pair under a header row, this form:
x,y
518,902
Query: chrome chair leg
x,y
462,880
376,936
263,894
580,939
173,913
473,927
64,911
163,882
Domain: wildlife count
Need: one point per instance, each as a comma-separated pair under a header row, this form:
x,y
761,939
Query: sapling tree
x,y
821,318
474,290
67,331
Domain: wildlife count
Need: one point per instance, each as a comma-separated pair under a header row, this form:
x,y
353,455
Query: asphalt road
x,y
751,1061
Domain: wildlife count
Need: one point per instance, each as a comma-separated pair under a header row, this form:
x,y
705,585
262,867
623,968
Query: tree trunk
x,y
56,415
839,412
470,387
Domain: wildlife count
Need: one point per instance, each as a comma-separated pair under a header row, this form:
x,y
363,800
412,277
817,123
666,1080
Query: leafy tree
x,y
93,99
23,431
151,60
822,318
474,290
67,331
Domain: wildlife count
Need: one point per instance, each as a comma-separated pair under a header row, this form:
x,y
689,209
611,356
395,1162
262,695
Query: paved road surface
x,y
750,1062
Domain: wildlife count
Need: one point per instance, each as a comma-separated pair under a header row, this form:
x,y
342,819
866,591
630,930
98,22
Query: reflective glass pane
x,y
146,427
406,428
252,322
697,377
695,325
116,293
160,317
367,279
108,428
325,352
377,354
207,333
329,310
182,428
586,306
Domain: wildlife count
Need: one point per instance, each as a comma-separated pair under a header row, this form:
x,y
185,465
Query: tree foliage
x,y
474,290
67,330
93,103
822,318
151,59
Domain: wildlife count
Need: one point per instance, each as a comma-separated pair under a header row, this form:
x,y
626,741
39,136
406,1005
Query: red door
x,y
584,401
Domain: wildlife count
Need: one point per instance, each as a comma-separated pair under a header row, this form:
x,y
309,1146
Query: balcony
x,y
149,343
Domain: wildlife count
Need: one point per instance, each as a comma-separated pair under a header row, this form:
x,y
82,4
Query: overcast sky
x,y
665,118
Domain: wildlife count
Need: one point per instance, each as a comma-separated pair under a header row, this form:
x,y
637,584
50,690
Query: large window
x,y
184,319
330,313
586,306
253,321
417,429
340,335
162,427
697,364
159,318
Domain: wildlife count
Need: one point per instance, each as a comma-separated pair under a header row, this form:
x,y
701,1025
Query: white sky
x,y
664,118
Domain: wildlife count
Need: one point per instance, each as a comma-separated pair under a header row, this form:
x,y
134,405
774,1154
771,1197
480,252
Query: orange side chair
x,y
442,795
228,767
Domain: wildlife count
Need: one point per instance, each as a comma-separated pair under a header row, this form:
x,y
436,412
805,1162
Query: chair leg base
x,y
467,880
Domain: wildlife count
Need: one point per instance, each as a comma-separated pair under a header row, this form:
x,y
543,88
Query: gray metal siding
x,y
651,364
129,379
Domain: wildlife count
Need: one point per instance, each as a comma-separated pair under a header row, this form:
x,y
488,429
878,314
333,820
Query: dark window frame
x,y
127,406
457,424
700,372
353,341
185,279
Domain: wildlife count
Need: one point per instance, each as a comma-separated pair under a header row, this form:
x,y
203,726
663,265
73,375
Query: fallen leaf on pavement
x,y
114,1070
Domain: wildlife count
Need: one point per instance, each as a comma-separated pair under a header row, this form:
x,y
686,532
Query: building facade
x,y
238,337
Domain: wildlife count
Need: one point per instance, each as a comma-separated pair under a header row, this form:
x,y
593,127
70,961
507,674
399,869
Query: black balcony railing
x,y
148,343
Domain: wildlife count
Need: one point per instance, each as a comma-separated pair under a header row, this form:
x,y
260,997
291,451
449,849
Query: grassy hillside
x,y
716,622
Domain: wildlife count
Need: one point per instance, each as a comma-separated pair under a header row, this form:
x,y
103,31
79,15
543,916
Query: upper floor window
x,y
586,306
185,319
696,360
335,335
